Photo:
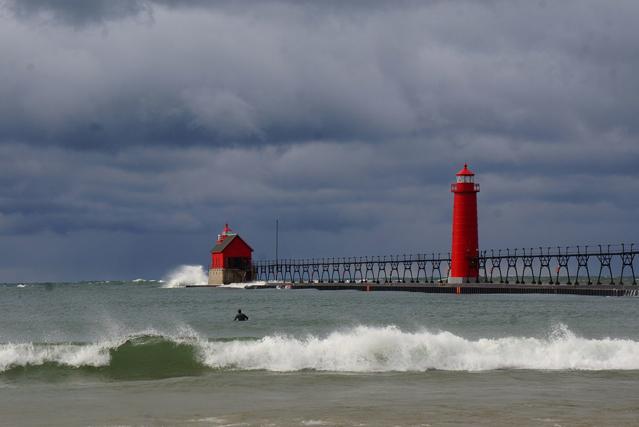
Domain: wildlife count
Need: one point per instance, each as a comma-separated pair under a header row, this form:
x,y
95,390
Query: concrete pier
x,y
466,288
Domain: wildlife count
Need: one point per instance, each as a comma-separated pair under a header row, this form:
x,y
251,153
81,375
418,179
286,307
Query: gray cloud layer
x,y
126,124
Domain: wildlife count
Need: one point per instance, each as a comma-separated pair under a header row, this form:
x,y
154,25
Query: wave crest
x,y
73,355
359,349
369,349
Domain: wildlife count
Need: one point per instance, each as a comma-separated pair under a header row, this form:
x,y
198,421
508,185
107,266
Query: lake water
x,y
135,353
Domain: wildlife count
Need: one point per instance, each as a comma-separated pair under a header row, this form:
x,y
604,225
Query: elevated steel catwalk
x,y
572,265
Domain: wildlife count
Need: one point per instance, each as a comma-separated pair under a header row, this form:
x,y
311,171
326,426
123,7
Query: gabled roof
x,y
219,247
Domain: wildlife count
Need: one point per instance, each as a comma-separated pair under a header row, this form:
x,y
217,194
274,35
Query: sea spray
x,y
194,275
359,349
186,275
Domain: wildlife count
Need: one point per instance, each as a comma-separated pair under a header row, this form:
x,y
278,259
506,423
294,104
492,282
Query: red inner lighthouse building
x,y
465,248
230,259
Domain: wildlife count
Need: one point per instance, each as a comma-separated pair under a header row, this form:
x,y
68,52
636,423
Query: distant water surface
x,y
136,353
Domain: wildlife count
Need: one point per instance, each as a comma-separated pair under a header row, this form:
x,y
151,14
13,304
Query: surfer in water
x,y
240,317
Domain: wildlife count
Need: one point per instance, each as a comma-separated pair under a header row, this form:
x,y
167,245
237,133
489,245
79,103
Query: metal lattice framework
x,y
612,264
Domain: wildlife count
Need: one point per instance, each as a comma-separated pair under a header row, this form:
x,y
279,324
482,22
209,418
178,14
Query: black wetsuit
x,y
241,317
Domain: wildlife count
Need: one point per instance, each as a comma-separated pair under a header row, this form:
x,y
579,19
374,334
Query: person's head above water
x,y
239,311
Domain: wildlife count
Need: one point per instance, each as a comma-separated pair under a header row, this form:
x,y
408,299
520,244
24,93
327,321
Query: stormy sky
x,y
131,131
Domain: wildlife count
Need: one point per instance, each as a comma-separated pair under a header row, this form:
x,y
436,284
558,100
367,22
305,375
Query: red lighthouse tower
x,y
465,249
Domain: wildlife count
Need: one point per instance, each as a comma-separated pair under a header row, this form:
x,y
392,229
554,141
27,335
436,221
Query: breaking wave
x,y
195,275
186,275
369,349
359,349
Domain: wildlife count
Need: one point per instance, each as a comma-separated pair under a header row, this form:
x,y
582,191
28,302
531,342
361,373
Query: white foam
x,y
186,275
371,349
216,420
245,285
90,354
359,349
75,355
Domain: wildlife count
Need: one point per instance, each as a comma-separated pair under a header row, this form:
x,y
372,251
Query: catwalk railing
x,y
609,264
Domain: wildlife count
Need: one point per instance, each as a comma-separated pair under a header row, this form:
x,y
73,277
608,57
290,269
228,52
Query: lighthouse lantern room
x,y
465,246
230,259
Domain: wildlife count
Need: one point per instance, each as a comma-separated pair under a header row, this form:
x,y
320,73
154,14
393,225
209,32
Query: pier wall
x,y
224,276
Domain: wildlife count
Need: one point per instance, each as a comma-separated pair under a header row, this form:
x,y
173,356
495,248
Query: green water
x,y
134,353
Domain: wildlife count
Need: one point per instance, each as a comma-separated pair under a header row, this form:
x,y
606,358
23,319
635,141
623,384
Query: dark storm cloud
x,y
285,72
76,12
82,12
145,125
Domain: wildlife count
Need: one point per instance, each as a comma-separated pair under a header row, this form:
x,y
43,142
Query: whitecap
x,y
245,285
383,349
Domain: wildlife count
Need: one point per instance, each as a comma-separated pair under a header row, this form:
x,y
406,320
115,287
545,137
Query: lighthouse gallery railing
x,y
591,264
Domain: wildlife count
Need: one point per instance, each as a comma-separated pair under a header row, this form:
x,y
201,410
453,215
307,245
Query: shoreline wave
x,y
360,349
